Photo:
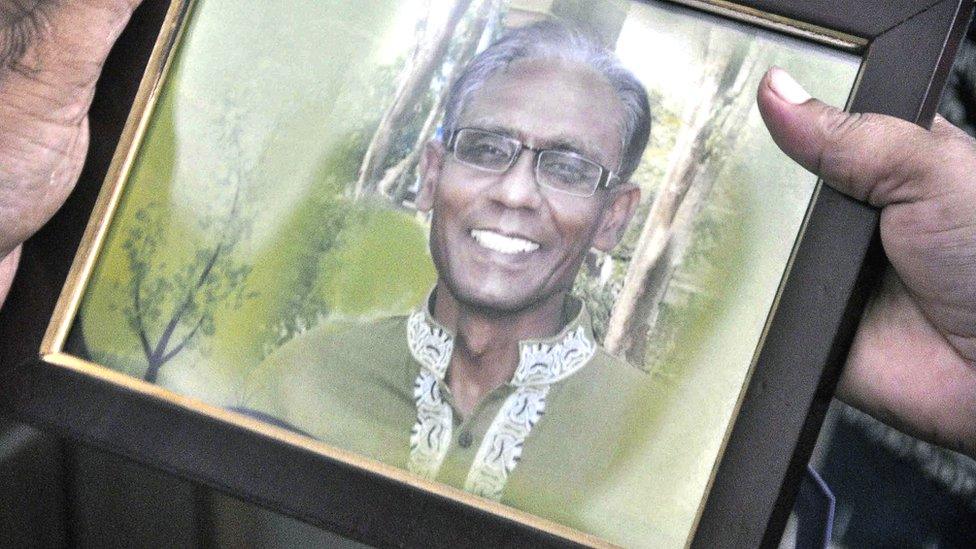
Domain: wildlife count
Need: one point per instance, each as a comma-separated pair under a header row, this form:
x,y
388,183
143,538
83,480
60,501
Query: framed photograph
x,y
430,272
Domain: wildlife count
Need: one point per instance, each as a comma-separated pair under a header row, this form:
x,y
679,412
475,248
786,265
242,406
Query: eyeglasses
x,y
561,171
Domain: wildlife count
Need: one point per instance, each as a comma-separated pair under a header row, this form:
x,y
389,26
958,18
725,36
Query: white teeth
x,y
503,244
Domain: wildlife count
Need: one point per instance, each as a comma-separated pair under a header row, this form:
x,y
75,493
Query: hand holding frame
x,y
51,53
913,360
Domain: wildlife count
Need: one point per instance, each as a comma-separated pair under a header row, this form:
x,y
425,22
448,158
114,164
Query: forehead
x,y
546,102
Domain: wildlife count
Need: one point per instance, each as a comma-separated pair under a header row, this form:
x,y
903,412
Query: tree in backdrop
x,y
697,159
441,53
320,220
601,278
169,308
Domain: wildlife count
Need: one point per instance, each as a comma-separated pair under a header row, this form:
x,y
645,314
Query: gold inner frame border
x,y
791,27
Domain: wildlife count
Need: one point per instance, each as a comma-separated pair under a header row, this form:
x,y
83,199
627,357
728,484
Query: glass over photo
x,y
523,248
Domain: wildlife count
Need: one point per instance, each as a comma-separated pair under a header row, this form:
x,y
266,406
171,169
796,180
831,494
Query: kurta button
x,y
464,439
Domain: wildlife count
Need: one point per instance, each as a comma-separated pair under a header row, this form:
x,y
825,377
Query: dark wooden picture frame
x,y
907,50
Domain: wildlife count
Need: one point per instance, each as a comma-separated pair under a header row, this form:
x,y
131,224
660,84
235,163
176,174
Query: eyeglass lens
x,y
563,171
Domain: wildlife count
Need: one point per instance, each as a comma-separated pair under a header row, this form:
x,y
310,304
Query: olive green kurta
x,y
361,390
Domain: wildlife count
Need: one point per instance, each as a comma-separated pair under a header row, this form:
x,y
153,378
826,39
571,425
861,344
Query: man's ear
x,y
431,163
616,217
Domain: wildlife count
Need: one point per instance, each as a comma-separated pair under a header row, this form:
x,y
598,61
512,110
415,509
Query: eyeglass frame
x,y
606,175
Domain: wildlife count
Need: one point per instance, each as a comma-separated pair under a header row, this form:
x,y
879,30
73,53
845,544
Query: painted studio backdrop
x,y
274,192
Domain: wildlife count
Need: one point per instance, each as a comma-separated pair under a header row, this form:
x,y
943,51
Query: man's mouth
x,y
503,244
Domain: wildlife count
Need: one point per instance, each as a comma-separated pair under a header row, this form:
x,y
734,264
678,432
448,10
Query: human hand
x,y
913,360
51,53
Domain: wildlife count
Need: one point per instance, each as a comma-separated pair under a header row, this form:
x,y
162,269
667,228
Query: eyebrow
x,y
558,142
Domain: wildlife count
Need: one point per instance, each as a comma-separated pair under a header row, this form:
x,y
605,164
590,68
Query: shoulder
x,y
606,386
346,340
586,423
352,387
331,356
617,371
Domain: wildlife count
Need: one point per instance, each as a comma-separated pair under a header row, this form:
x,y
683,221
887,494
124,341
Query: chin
x,y
494,300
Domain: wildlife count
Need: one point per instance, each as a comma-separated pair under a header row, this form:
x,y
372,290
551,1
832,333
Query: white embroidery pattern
x,y
540,365
430,344
551,362
431,434
430,437
501,449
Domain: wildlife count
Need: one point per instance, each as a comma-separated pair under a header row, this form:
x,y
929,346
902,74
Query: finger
x,y
8,266
871,157
52,51
903,371
36,178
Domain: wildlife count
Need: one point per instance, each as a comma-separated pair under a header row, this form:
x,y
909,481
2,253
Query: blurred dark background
x,y
892,490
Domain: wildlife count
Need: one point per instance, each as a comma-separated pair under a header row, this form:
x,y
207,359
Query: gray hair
x,y
556,40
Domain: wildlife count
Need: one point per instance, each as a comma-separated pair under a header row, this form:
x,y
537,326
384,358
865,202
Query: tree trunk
x,y
393,182
393,179
412,89
686,186
152,372
161,352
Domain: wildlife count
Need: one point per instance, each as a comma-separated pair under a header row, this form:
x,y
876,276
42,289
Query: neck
x,y
486,343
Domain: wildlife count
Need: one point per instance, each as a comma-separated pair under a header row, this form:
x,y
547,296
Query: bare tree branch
x,y
394,173
140,326
182,344
178,315
174,321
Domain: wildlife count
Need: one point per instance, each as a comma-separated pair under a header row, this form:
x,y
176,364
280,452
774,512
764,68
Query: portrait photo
x,y
526,250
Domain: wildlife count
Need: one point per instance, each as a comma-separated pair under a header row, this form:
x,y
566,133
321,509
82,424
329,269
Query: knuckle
x,y
839,125
876,158
840,145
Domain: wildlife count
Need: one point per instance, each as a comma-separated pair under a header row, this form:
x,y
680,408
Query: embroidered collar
x,y
541,361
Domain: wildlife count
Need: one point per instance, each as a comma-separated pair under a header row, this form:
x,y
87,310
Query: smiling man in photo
x,y
496,385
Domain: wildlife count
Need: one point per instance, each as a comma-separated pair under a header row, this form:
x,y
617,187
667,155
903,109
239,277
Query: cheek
x,y
455,191
576,223
447,200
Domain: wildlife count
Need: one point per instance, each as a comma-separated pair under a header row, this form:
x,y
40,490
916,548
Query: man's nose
x,y
517,187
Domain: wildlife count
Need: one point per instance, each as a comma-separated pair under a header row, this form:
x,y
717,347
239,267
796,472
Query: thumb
x,y
871,157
